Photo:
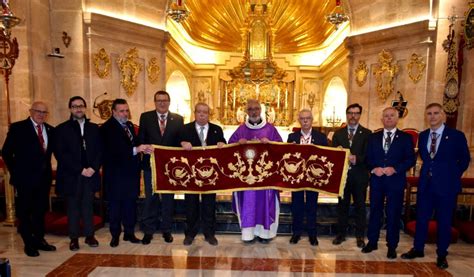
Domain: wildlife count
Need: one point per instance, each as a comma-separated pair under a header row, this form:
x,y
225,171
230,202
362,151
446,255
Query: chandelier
x,y
8,19
338,16
177,11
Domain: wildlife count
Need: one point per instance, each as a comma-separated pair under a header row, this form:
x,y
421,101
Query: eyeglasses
x,y
353,113
162,101
77,107
40,112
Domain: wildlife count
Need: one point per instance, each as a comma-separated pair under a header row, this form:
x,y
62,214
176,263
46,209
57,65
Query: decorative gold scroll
x,y
129,70
153,70
384,73
415,68
361,73
101,63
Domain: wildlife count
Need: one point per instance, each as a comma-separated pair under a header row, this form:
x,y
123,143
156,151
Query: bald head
x,y
39,112
253,110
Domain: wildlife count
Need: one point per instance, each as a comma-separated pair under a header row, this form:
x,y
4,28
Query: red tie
x,y
162,124
40,137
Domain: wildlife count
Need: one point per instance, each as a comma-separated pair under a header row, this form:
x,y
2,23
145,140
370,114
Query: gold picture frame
x,y
415,68
361,73
385,72
129,70
153,70
101,62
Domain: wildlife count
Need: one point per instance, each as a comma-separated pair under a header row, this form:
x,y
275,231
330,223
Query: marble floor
x,y
230,258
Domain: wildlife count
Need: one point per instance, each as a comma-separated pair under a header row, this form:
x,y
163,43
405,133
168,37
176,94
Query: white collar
x,y
255,127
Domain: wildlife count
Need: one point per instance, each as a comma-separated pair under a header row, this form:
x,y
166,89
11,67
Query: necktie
x,y
434,138
388,141
201,136
350,136
40,137
162,123
127,130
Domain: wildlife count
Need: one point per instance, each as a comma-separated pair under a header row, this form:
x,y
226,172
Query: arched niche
x,y
178,88
335,103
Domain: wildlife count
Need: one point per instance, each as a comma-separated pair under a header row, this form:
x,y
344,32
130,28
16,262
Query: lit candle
x,y
225,96
233,101
286,98
278,99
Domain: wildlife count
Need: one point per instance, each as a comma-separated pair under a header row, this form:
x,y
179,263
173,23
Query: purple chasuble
x,y
256,207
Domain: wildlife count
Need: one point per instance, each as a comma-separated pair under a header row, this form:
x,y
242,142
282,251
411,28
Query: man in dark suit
x,y
27,154
78,150
355,138
445,156
201,133
300,207
159,127
390,154
121,171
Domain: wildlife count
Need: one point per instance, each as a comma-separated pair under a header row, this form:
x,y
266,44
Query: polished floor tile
x,y
230,258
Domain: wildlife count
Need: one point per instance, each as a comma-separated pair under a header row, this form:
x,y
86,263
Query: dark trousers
x,y
31,206
358,192
393,193
443,206
197,213
122,212
149,218
80,205
300,208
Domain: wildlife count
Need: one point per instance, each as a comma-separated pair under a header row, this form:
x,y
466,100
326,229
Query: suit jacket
x,y
451,160
317,138
68,153
359,172
149,132
190,134
28,164
400,156
121,169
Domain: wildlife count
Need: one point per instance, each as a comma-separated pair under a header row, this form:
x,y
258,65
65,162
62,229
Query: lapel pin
x,y
447,137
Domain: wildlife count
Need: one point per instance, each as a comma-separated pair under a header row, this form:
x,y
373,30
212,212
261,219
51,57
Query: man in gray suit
x,y
159,127
355,138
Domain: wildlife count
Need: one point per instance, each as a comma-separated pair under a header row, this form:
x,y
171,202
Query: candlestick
x,y
286,98
233,102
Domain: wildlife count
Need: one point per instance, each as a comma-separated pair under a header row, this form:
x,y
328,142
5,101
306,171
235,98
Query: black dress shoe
x,y
410,255
441,262
264,241
391,253
339,239
369,248
147,239
131,238
168,237
294,239
188,240
74,245
44,246
360,242
313,240
211,240
31,251
91,241
114,242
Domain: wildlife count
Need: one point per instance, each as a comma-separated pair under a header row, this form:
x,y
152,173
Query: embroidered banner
x,y
251,166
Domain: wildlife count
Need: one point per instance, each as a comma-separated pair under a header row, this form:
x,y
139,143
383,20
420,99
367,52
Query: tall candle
x,y
278,99
233,102
286,98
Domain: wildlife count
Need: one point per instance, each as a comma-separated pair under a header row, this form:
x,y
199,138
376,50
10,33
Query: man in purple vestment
x,y
258,210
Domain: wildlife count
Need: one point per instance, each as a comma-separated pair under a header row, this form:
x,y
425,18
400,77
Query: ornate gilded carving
x,y
153,70
451,89
129,70
361,73
101,63
415,68
385,73
104,107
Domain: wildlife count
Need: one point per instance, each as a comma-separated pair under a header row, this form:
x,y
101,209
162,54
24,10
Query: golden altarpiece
x,y
257,76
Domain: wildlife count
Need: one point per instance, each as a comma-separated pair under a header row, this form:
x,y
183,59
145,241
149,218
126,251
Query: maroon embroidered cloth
x,y
251,166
